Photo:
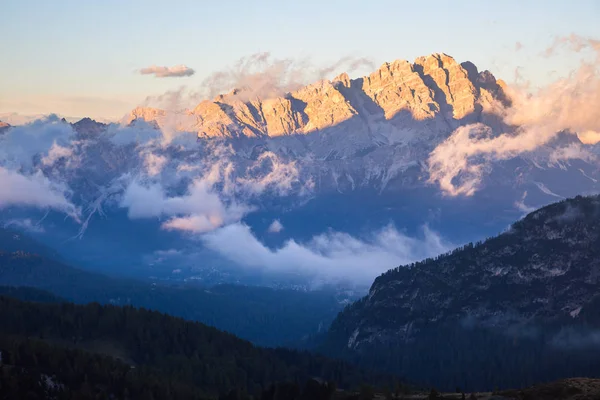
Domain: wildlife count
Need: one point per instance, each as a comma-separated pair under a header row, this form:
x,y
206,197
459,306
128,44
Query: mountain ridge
x,y
345,155
531,291
432,85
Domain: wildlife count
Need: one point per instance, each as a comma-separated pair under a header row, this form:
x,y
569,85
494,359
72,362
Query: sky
x,y
80,59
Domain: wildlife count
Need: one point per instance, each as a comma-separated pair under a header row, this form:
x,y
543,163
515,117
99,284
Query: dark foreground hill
x,y
96,351
512,311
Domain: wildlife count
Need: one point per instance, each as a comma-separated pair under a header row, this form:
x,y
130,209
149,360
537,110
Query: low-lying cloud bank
x,y
332,257
568,105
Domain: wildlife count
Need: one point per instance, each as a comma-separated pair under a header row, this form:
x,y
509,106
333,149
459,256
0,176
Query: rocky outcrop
x,y
434,88
89,128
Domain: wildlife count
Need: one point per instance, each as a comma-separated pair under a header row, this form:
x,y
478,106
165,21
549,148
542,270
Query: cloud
x,y
589,137
33,191
214,191
23,151
576,339
261,75
21,144
199,223
25,224
176,71
521,206
567,105
280,176
56,153
154,163
275,227
573,151
326,258
199,210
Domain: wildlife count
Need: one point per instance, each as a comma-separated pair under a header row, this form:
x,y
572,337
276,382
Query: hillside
x,y
29,294
201,359
513,310
264,316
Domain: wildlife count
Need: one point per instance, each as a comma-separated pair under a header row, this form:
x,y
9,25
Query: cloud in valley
x,y
327,258
25,224
33,191
568,105
199,210
176,71
275,227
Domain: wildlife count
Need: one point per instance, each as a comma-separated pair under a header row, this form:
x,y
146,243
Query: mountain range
x,y
307,179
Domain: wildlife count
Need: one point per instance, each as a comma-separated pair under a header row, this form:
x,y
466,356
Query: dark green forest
x,y
96,350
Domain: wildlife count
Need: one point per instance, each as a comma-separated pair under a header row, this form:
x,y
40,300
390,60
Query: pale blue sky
x,y
79,57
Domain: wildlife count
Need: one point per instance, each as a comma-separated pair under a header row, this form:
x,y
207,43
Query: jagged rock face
x,y
88,128
433,88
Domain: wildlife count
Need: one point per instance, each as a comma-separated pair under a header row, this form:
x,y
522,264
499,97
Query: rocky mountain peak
x,y
147,114
434,88
88,127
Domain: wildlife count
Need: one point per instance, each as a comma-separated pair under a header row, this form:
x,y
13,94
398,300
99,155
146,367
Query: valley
x,y
314,200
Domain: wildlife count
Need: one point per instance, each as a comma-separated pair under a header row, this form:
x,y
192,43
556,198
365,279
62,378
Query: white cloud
x,y
19,145
33,191
589,137
280,176
521,206
570,104
259,75
573,151
195,223
154,163
176,71
56,153
25,224
330,257
199,210
275,227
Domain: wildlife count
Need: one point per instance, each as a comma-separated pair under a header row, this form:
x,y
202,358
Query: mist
x,y
332,257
